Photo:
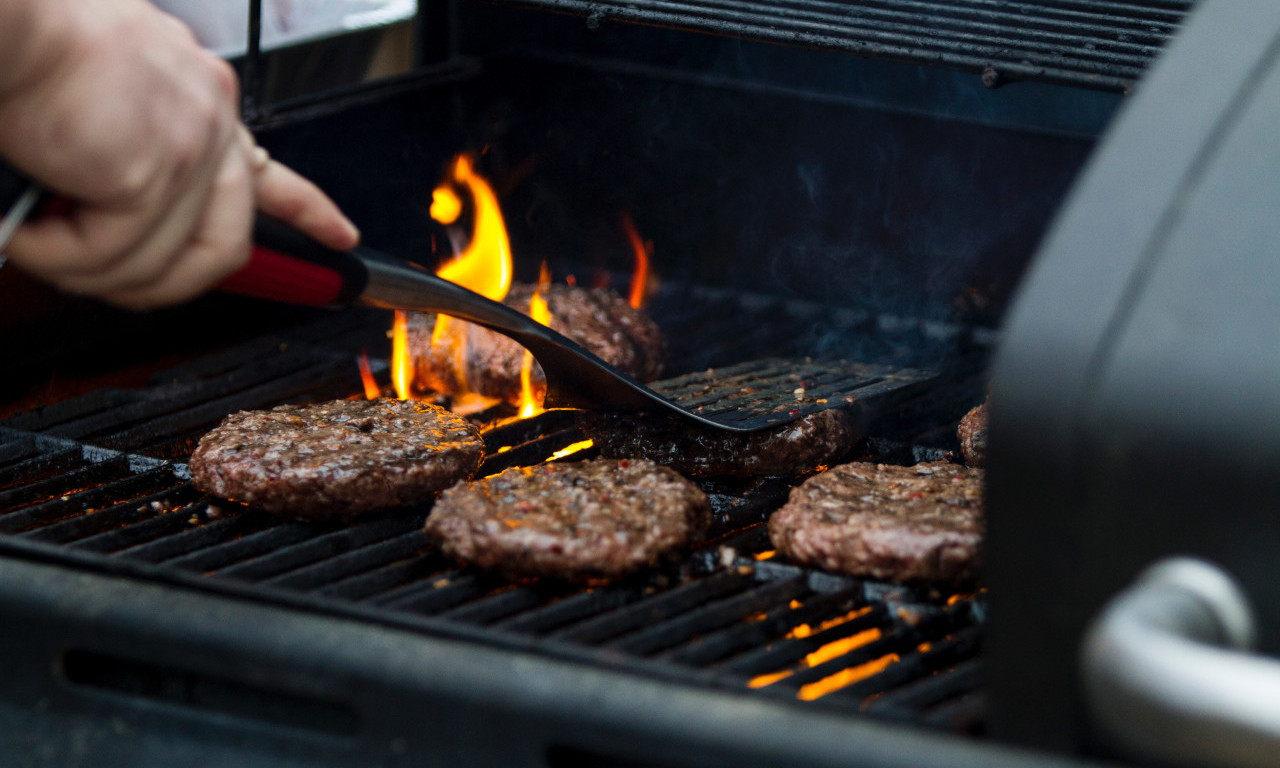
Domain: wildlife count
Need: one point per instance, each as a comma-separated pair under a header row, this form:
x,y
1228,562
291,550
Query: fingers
x,y
218,246
285,195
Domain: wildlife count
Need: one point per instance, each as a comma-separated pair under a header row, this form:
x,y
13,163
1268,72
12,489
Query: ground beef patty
x,y
902,524
574,521
336,459
973,436
800,446
598,319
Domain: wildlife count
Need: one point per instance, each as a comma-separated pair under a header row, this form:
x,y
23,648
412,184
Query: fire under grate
x,y
99,483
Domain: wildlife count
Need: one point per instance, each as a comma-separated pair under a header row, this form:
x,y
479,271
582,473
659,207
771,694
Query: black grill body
x,y
803,202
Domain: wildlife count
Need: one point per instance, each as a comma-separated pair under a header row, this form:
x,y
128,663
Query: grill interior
x,y
98,482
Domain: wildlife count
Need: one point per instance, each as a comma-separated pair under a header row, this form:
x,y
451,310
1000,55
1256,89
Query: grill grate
x,y
1092,43
773,391
84,484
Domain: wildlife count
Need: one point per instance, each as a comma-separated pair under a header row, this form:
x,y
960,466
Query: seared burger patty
x,y
801,446
336,459
573,521
902,524
598,319
972,433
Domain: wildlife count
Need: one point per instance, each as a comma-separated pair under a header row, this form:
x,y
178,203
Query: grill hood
x,y
1136,395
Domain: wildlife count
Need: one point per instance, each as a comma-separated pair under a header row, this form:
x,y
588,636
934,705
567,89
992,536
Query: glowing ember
x,y
845,677
826,652
642,249
529,404
571,449
371,389
401,359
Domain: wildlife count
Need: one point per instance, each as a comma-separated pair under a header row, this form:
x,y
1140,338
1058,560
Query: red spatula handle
x,y
286,265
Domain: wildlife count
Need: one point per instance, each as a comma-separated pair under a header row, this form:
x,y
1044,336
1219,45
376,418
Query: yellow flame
x,y
401,358
529,404
485,265
446,206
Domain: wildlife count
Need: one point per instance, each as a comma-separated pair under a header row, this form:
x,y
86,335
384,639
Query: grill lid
x,y
1090,43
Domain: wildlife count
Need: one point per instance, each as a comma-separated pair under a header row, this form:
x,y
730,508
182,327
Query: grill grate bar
x,y
790,651
449,589
773,625
706,618
389,577
944,653
103,493
774,390
507,602
194,548
313,549
252,384
572,609
947,27
58,414
163,503
678,600
897,637
929,691
177,520
334,567
207,413
1101,45
46,477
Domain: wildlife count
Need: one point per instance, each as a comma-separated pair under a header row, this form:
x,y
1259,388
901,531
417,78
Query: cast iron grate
x,y
1092,43
99,483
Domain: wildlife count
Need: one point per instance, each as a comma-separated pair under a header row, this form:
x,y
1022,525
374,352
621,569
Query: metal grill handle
x,y
1166,677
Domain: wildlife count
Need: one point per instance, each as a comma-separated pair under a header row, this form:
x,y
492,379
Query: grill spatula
x,y
288,266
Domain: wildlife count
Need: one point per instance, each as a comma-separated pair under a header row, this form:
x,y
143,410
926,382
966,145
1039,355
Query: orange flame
x,y
371,389
529,404
642,249
485,265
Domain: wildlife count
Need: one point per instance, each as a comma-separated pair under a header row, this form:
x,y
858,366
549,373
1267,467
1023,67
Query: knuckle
x,y
224,77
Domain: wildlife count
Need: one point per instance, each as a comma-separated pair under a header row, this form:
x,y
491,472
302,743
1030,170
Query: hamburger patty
x,y
574,521
972,433
598,319
800,446
903,524
336,459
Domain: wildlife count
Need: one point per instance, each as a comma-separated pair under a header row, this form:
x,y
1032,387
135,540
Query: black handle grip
x,y
286,265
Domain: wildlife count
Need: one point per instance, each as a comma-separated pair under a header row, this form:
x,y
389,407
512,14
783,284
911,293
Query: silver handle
x,y
1166,677
16,214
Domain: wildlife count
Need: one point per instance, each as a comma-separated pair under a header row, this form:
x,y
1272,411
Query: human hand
x,y
116,107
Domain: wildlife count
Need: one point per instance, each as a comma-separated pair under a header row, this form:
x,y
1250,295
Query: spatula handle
x,y
286,265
